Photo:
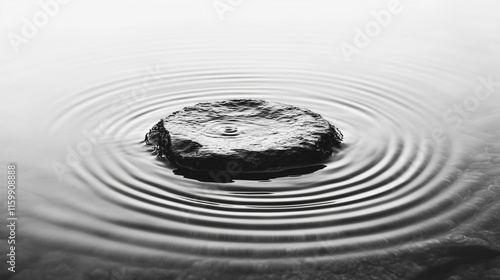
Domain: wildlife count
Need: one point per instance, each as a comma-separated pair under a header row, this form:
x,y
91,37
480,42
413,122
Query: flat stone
x,y
244,135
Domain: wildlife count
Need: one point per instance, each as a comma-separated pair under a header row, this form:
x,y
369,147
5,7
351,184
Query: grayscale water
x,y
413,188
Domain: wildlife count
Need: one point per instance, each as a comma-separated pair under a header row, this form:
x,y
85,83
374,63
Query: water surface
x,y
415,175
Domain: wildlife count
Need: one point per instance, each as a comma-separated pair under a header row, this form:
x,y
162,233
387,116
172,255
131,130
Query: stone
x,y
244,135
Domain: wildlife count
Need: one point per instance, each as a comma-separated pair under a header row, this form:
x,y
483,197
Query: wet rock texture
x,y
244,134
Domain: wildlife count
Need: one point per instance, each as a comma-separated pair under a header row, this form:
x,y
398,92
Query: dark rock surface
x,y
243,135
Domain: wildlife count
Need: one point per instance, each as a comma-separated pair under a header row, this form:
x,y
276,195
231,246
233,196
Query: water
x,y
412,178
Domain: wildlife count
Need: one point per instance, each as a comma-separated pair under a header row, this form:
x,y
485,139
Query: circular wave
x,y
234,128
382,189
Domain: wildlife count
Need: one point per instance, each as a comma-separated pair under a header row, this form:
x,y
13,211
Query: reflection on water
x,y
418,170
233,172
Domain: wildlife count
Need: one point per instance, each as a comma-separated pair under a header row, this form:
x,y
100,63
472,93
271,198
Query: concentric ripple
x,y
234,128
386,187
